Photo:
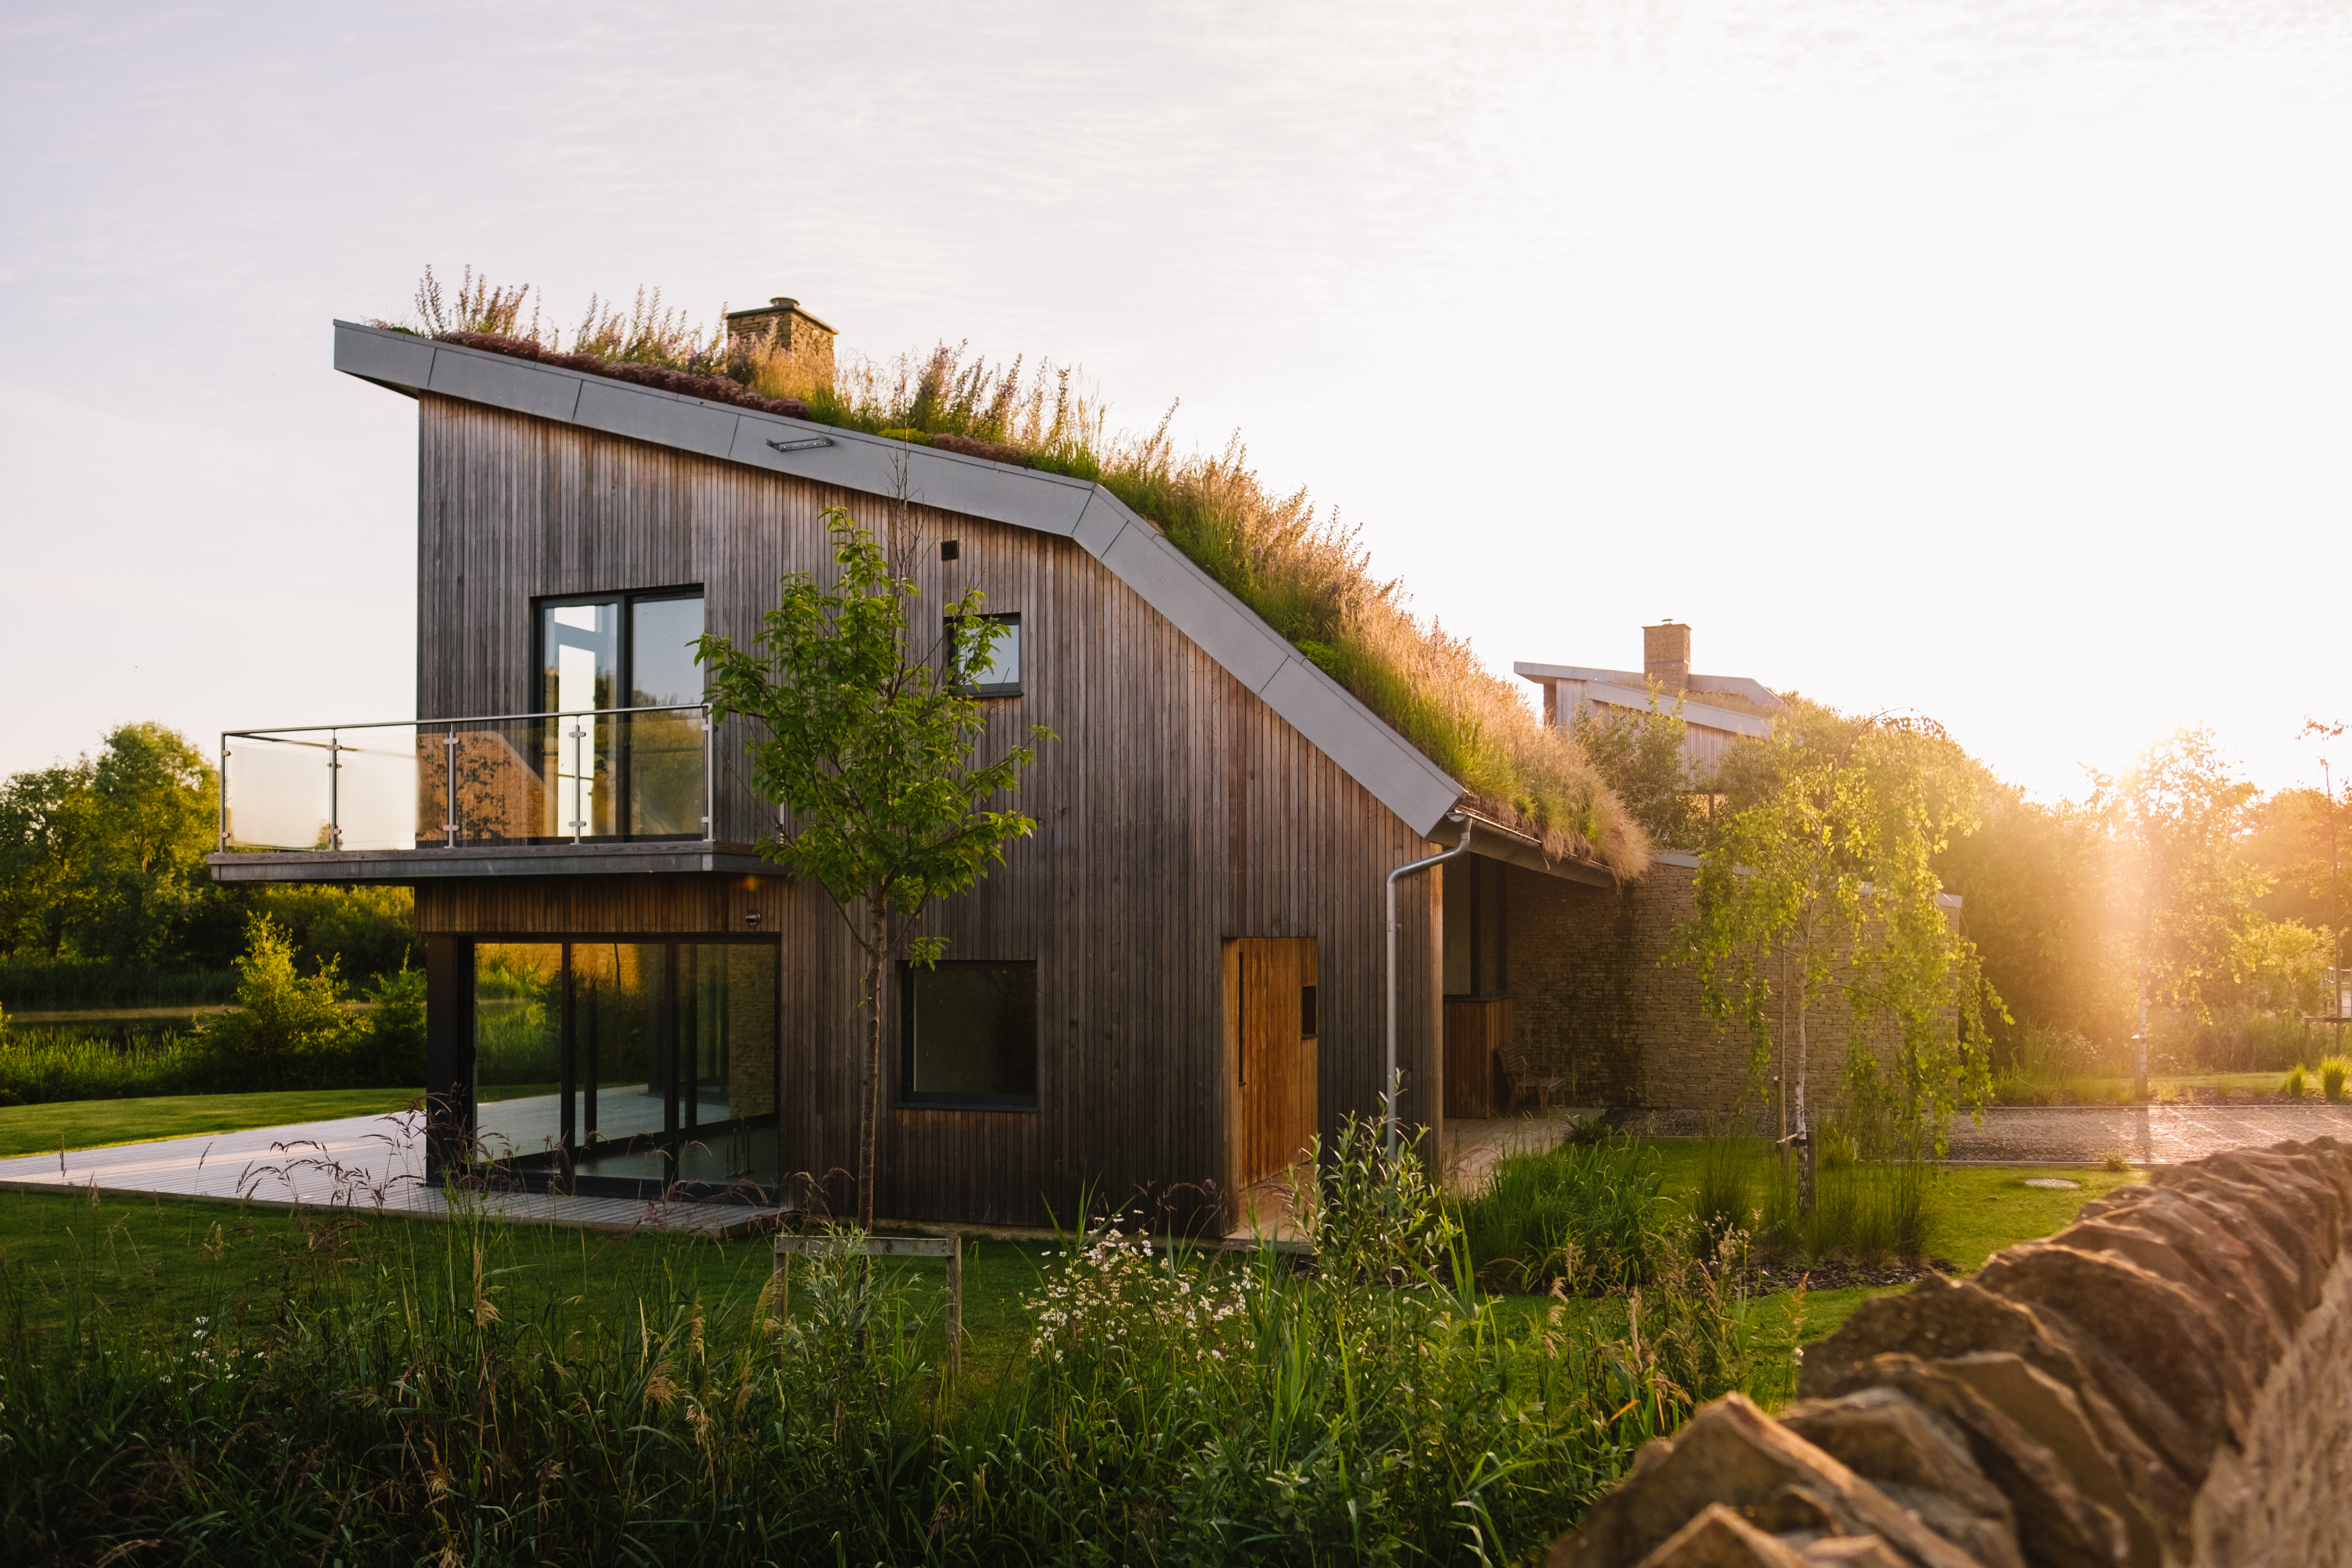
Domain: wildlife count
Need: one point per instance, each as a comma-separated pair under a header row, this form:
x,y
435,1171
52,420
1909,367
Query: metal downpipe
x,y
1389,1084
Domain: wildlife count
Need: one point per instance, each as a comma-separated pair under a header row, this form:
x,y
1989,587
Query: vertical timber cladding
x,y
1174,811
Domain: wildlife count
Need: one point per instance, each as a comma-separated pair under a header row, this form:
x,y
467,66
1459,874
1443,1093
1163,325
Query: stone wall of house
x,y
1595,994
2167,1381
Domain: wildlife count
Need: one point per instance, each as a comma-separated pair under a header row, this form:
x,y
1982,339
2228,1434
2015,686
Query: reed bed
x,y
402,1397
41,1065
32,984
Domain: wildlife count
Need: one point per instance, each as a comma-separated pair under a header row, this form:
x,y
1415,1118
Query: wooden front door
x,y
1270,1055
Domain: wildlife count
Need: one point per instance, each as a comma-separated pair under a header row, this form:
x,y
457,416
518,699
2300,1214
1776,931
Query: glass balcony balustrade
x,y
604,774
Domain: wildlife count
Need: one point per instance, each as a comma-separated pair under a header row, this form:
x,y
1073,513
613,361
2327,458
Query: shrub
x,y
288,1030
2298,1084
2331,1077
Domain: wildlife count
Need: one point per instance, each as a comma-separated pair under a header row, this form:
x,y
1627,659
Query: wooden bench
x,y
1529,1075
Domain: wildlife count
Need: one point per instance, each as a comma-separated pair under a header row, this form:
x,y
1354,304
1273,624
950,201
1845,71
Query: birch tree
x,y
869,749
1823,884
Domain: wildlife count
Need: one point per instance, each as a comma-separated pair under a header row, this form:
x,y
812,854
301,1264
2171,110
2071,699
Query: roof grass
x,y
1304,573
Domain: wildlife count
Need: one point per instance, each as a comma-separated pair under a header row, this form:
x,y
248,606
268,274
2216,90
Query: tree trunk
x,y
1804,1122
869,1116
2139,1041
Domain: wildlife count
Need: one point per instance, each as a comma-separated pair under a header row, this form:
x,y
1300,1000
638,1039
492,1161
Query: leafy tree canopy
x,y
1821,886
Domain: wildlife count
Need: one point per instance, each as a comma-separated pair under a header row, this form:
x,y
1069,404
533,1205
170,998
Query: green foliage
x,y
1862,1208
105,896
362,931
2332,1070
400,1393
2180,874
1589,1217
38,1066
2298,1082
36,983
1369,1217
868,745
289,1031
104,858
2039,907
1640,756
1823,886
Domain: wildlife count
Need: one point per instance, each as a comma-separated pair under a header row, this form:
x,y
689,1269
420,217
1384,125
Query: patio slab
x,y
369,1163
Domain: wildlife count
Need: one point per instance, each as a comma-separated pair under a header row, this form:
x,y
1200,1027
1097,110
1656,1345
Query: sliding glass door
x,y
644,1063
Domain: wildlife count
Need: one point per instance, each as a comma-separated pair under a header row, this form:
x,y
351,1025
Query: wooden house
x,y
1172,985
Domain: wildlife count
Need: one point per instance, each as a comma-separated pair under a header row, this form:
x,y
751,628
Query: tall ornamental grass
x,y
1862,1208
1589,1217
408,1407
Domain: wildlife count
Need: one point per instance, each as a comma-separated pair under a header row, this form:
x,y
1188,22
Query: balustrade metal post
x,y
578,811
710,779
224,793
334,789
449,800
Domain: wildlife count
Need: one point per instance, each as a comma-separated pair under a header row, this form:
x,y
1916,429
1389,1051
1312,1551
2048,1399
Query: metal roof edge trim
x,y
1333,719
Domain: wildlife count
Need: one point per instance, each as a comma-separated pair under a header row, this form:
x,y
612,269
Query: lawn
x,y
169,1261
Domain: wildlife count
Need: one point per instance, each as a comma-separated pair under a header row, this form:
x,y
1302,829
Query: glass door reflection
x,y
646,1063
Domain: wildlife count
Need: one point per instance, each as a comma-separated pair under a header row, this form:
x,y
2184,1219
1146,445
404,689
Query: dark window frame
x,y
624,635
625,679
1011,688
909,1097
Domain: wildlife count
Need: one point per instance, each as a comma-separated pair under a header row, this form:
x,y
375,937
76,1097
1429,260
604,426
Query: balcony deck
x,y
588,857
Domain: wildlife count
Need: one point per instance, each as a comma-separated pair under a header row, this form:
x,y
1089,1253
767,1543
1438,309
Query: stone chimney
x,y
783,324
1666,654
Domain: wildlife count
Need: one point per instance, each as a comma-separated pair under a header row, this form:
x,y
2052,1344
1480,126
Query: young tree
x,y
1640,754
869,749
2183,886
1824,884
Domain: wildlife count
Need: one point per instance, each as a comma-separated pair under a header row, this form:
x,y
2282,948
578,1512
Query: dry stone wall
x,y
2166,1381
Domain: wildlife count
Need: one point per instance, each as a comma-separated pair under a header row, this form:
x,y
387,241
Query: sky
x,y
1986,361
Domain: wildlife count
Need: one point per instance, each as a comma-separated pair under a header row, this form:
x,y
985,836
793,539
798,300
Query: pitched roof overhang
x,y
1229,632
1491,840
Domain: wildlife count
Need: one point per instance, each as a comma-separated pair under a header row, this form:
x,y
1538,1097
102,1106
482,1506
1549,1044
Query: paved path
x,y
368,1163
2143,1134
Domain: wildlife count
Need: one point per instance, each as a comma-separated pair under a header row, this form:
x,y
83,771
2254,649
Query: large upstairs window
x,y
635,774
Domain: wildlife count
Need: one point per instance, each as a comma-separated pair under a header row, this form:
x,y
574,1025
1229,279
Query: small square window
x,y
995,672
1306,1012
971,1031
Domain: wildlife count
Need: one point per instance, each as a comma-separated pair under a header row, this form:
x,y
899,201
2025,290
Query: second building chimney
x,y
1666,654
782,327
